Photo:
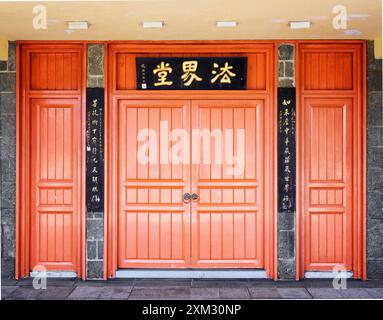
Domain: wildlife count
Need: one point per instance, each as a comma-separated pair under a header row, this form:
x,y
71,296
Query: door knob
x,y
187,197
194,196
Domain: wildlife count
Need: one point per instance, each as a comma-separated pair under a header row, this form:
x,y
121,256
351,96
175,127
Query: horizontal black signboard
x,y
188,73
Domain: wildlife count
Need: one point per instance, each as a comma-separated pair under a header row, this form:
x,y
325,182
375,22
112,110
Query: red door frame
x,y
23,225
359,156
210,47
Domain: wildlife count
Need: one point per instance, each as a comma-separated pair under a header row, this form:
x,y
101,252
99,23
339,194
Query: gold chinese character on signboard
x,y
95,198
287,141
189,68
286,102
224,73
162,71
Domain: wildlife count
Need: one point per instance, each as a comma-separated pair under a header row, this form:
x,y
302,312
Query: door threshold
x,y
53,274
328,275
188,274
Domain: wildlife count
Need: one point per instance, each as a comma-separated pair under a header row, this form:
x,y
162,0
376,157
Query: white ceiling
x,y
191,19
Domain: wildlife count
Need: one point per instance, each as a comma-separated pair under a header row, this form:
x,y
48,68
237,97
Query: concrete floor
x,y
189,289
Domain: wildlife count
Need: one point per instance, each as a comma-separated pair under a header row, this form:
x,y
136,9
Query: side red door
x,y
331,152
328,183
55,183
51,159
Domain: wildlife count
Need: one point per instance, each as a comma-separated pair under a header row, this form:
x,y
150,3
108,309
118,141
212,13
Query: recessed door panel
x,y
153,220
227,175
55,183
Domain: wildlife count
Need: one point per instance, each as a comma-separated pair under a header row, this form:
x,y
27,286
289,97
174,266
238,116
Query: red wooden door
x,y
224,227
153,220
228,217
328,183
331,157
55,183
51,162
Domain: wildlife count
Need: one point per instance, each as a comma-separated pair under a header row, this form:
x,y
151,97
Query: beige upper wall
x,y
192,19
3,48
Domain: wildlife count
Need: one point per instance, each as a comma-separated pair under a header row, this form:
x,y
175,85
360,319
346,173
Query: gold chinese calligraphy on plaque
x,y
95,150
200,73
286,150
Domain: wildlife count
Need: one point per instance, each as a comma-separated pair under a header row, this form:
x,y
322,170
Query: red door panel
x,y
228,217
55,183
328,183
153,221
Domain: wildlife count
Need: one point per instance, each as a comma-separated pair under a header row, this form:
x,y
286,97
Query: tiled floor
x,y
189,289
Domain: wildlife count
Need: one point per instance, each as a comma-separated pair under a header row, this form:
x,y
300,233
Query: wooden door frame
x,y
359,156
211,47
23,141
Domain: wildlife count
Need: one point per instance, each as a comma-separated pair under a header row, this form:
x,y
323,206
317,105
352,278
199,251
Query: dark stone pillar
x,y
95,220
8,161
374,165
286,220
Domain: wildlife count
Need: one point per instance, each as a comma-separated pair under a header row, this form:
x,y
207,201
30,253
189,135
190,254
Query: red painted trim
x,y
82,267
299,176
18,261
363,185
106,149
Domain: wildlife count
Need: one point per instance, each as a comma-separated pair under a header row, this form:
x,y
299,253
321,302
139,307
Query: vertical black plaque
x,y
95,149
286,149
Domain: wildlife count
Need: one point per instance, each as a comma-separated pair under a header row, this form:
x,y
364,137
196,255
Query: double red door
x,y
211,150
